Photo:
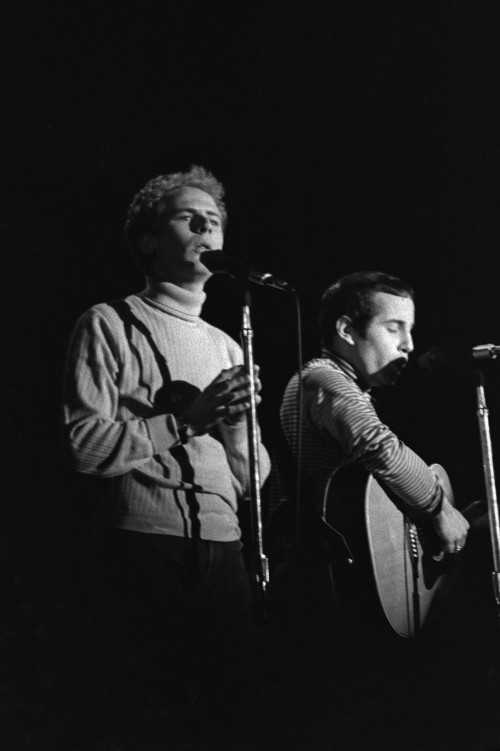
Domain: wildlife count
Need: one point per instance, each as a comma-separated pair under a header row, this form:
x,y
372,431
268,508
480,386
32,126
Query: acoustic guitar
x,y
384,559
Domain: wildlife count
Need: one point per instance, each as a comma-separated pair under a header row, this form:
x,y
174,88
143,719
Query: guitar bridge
x,y
413,538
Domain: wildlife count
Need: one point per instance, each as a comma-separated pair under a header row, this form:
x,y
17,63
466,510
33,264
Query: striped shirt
x,y
340,427
131,367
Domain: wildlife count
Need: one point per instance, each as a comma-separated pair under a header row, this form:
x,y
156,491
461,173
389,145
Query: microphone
x,y
439,360
219,263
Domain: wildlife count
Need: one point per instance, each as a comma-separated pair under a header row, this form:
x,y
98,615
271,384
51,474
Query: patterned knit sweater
x,y
132,366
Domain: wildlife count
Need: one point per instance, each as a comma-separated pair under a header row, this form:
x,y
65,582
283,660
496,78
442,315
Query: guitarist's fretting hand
x,y
451,527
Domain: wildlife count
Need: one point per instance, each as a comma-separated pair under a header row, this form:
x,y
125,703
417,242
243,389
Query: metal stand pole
x,y
489,476
260,566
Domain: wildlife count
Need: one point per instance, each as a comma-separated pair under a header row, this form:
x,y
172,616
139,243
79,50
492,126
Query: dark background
x,y
349,135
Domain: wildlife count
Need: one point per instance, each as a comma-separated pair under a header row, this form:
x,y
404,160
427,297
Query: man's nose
x,y
407,343
200,223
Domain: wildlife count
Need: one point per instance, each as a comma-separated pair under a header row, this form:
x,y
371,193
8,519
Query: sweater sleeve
x,y
101,442
339,410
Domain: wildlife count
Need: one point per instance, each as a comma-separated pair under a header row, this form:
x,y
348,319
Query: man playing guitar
x,y
365,320
346,665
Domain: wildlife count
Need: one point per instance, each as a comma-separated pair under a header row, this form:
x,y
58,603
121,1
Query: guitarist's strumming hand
x,y
451,527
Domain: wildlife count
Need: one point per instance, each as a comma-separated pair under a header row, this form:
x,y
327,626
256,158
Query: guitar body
x,y
385,562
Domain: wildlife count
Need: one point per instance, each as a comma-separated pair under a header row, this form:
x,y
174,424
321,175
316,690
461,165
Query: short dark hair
x,y
142,215
352,296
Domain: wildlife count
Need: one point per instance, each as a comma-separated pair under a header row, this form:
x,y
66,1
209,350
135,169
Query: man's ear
x,y
344,329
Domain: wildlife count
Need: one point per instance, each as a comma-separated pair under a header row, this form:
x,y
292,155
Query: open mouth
x,y
400,365
201,247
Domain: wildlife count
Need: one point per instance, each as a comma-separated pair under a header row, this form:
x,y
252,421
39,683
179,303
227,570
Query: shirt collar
x,y
175,300
348,369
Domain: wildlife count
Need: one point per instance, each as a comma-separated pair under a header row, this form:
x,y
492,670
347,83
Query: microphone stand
x,y
489,476
259,562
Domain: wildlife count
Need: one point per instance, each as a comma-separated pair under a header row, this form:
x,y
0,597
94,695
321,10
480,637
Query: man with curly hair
x,y
155,405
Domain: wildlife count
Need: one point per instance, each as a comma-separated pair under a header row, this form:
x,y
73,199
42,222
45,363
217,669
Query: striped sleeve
x,y
337,407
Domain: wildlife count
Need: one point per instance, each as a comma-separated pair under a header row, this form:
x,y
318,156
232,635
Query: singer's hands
x,y
226,399
451,527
